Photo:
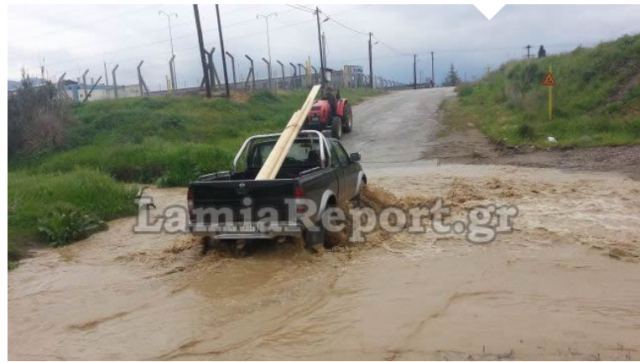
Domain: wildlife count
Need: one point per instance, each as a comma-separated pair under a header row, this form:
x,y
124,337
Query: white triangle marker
x,y
489,8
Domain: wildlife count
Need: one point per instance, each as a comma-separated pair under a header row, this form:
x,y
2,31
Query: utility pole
x,y
370,63
266,20
205,71
224,58
322,65
433,79
173,67
415,80
528,51
324,48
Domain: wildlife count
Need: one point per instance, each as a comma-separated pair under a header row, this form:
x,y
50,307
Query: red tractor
x,y
322,118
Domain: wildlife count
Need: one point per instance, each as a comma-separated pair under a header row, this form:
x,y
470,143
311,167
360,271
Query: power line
x,y
302,8
392,48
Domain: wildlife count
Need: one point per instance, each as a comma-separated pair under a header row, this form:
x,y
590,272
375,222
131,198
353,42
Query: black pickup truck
x,y
317,173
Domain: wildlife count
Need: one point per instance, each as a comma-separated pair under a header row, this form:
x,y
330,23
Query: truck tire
x,y
314,240
347,119
336,128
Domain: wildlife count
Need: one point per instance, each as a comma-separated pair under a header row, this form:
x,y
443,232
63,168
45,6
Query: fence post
x,y
171,72
113,80
86,97
268,70
213,75
84,82
61,89
251,74
315,77
233,68
282,68
294,76
144,91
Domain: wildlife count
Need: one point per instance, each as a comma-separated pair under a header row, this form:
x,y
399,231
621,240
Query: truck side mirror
x,y
355,157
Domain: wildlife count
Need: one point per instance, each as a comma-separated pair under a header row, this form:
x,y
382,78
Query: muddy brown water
x,y
564,285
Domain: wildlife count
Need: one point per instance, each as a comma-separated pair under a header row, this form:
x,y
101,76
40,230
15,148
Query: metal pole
x,y
433,79
415,80
173,79
106,77
322,75
251,74
62,91
212,69
86,97
281,67
84,82
233,68
268,70
294,76
173,67
115,83
370,62
143,86
266,19
203,60
224,59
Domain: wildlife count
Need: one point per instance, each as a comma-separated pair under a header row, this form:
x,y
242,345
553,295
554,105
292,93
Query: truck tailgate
x,y
233,195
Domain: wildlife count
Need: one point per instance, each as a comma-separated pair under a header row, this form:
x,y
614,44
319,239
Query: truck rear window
x,y
303,153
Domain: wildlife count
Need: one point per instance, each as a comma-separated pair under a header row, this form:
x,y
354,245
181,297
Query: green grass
x,y
596,98
33,196
164,140
168,141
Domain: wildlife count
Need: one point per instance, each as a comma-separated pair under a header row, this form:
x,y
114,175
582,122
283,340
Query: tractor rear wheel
x,y
347,119
336,128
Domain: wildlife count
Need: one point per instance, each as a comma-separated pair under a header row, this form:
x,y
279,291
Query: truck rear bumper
x,y
235,231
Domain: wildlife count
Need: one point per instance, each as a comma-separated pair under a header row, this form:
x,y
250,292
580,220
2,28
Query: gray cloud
x,y
71,38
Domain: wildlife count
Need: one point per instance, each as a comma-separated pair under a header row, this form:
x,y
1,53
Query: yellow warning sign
x,y
549,80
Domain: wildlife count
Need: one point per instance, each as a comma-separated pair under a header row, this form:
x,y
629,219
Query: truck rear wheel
x,y
336,128
314,240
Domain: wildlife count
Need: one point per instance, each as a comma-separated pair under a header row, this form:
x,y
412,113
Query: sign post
x,y
549,81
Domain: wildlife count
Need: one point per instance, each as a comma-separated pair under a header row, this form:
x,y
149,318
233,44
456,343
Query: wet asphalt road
x,y
396,128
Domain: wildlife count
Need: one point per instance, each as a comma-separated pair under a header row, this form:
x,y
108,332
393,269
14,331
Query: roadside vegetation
x,y
66,182
596,99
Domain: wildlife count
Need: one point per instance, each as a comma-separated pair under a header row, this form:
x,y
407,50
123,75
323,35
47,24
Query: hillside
x,y
596,99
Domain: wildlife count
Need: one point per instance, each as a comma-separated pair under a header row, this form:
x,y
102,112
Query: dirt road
x,y
563,285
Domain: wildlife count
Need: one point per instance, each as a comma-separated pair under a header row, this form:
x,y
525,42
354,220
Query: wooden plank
x,y
274,162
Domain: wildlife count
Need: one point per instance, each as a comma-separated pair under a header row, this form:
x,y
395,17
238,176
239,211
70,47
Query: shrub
x,y
66,223
37,118
525,131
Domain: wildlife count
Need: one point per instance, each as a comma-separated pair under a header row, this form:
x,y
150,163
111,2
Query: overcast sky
x,y
72,38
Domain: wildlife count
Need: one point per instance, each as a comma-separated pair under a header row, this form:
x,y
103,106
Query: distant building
x,y
353,76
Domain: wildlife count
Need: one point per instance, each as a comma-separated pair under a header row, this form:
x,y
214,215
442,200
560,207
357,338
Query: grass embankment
x,y
168,141
596,99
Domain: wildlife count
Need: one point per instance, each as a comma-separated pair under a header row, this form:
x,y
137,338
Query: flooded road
x,y
564,285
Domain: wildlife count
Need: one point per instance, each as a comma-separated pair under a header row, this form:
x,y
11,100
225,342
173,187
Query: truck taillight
x,y
298,193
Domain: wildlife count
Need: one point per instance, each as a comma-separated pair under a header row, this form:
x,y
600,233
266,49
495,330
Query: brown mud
x,y
562,285
467,145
